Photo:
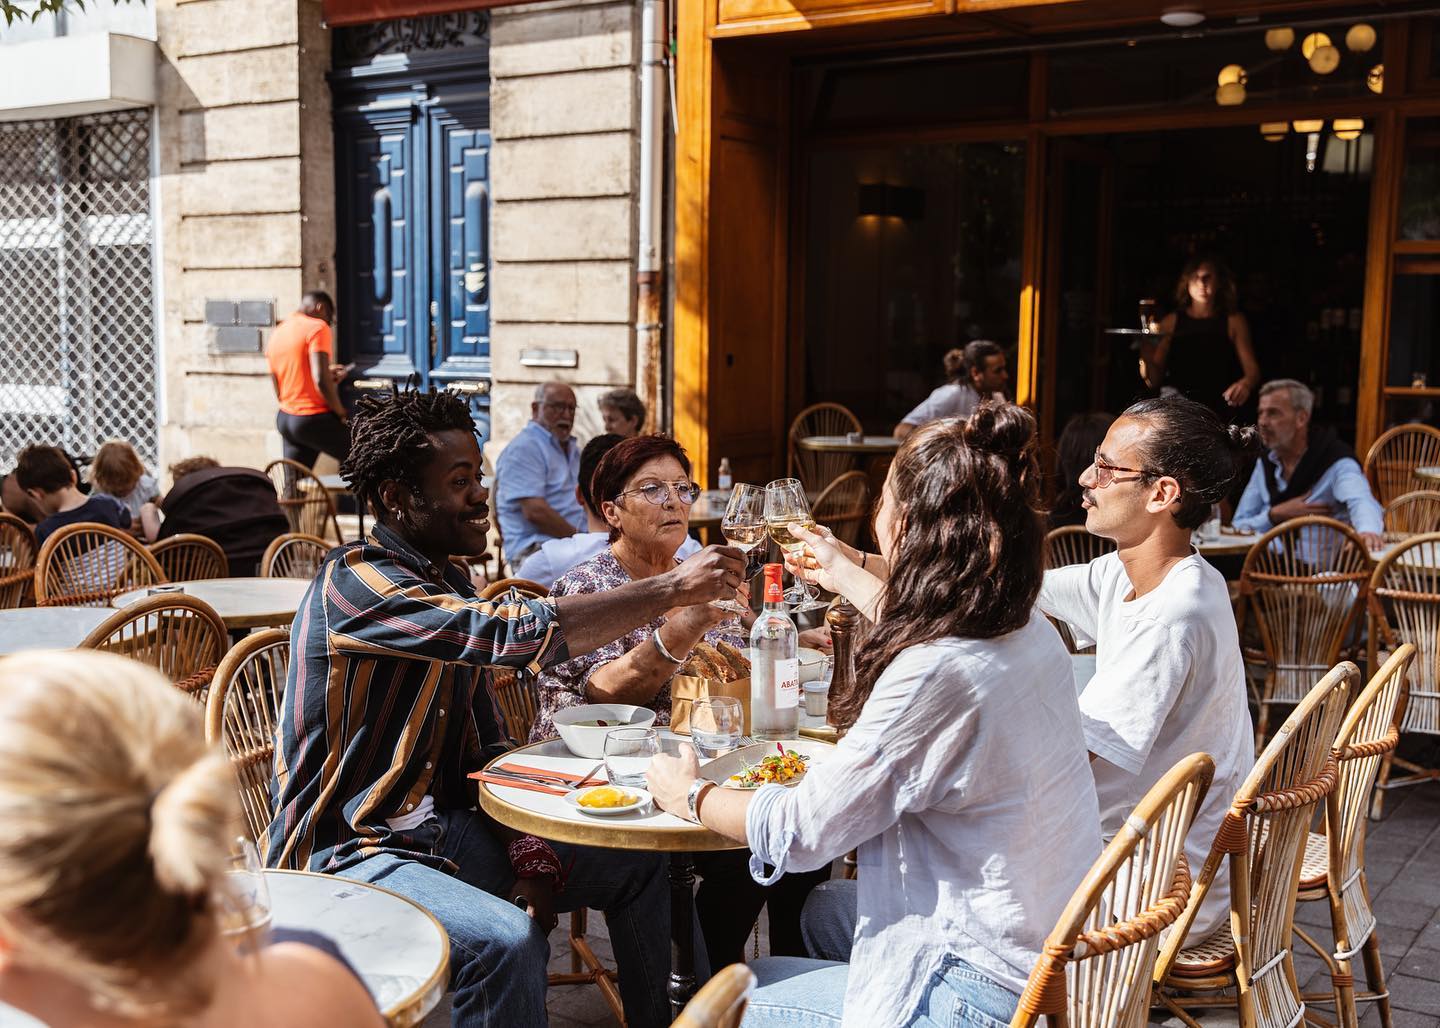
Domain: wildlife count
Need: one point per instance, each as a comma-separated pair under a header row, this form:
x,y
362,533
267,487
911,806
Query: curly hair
x,y
968,559
390,438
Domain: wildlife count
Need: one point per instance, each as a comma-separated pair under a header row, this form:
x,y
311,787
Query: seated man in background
x,y
536,476
48,479
1305,470
236,507
976,373
558,556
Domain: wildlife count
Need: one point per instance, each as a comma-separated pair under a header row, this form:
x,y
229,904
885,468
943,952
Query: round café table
x,y
396,946
707,512
868,446
1227,545
550,817
48,628
242,603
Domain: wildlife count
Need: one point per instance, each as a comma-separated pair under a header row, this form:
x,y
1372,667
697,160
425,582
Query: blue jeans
x,y
498,955
804,993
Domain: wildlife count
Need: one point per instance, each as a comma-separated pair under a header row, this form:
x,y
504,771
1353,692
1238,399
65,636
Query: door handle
x,y
434,334
469,388
371,383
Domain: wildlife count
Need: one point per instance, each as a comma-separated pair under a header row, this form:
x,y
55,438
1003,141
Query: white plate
x,y
720,769
573,799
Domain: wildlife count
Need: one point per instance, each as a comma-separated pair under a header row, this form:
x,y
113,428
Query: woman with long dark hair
x,y
961,772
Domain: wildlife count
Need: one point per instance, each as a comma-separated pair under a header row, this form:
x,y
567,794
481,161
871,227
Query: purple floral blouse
x,y
563,685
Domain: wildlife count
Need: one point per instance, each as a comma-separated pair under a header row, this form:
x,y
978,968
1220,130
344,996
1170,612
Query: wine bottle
x,y
774,666
724,480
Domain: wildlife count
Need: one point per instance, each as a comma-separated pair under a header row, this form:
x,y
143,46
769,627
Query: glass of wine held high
x,y
785,505
743,527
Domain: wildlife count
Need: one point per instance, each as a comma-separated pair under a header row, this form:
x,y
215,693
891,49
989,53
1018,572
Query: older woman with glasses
x,y
643,489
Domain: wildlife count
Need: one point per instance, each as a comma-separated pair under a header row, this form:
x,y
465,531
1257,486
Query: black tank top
x,y
1202,362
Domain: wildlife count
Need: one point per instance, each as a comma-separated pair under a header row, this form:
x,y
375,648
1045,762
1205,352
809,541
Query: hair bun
x,y
186,817
1000,428
1244,439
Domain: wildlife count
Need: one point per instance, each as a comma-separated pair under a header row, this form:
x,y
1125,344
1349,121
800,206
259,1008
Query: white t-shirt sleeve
x,y
1124,707
1072,594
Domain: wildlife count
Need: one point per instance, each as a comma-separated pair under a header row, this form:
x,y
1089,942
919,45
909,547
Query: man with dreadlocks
x,y
388,708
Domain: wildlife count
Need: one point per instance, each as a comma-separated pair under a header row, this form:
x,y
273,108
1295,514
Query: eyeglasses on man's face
x,y
1105,472
657,492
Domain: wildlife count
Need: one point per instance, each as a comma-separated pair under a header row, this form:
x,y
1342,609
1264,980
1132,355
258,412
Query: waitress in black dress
x,y
1204,350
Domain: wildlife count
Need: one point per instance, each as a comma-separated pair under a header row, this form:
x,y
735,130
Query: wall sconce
x,y
1348,128
1274,131
883,200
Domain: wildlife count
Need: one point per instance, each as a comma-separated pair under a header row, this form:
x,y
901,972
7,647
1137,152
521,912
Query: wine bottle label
x,y
787,683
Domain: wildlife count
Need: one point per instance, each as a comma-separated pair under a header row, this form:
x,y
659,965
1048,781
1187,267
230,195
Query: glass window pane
x,y
1420,181
922,92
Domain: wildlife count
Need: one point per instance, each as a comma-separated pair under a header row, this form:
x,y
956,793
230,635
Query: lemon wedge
x,y
608,796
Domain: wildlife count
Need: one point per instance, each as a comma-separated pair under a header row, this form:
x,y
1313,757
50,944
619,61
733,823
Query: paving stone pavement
x,y
1403,866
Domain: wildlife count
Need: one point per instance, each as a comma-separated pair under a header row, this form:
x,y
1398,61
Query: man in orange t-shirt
x,y
311,420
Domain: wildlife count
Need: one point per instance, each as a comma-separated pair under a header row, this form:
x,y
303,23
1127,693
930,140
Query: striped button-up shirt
x,y
388,700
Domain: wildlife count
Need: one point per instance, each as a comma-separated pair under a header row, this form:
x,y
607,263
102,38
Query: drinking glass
x,y
786,504
716,725
244,899
627,755
743,527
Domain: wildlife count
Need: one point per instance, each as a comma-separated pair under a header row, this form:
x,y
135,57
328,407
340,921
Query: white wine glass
x,y
743,527
244,898
785,505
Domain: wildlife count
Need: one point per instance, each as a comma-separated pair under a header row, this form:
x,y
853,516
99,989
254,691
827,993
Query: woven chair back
x,y
304,499
1305,581
844,506
528,589
86,565
17,562
1096,966
721,1001
1067,545
1371,730
1391,462
242,714
515,694
1262,838
1412,514
814,469
294,555
180,636
1404,599
190,558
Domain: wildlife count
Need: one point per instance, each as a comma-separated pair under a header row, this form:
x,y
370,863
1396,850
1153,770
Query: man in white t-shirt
x,y
1169,679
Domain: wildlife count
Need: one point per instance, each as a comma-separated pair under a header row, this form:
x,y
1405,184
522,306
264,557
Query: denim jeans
x,y
801,993
498,955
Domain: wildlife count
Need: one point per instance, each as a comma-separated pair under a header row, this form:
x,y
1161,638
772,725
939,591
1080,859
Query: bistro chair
x,y
304,499
179,635
1405,608
1067,545
1390,465
1305,581
844,505
721,1001
1412,514
1369,733
294,555
530,590
1262,839
17,562
814,469
1097,964
242,713
189,558
87,565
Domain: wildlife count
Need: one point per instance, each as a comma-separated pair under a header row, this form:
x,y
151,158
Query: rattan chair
x,y
242,712
721,1001
1305,582
17,562
86,565
1097,964
1412,514
844,506
181,636
190,558
1067,545
1390,465
1262,839
294,555
814,469
304,499
1370,732
1404,598
532,590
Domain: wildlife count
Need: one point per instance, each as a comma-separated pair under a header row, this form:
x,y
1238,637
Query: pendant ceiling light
x,y
1274,131
1182,17
1375,79
1360,39
1324,60
1313,42
1279,39
1348,128
1231,73
1308,125
1232,94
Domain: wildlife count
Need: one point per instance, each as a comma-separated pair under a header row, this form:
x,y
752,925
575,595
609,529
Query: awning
x,y
73,75
359,12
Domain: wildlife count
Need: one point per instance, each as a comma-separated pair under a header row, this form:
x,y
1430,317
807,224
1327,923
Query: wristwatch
x,y
692,798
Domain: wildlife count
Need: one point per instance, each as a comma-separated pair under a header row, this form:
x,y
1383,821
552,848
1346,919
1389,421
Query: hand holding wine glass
x,y
743,527
786,508
819,557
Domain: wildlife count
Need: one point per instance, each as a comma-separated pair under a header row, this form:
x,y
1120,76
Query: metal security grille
x,y
77,325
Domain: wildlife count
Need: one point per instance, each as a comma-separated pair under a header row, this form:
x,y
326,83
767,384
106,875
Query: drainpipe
x,y
649,274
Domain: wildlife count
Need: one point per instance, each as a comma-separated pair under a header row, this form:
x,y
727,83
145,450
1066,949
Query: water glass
x,y
243,903
716,725
627,755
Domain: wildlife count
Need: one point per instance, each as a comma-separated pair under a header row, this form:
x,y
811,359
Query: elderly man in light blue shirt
x,y
536,476
1304,472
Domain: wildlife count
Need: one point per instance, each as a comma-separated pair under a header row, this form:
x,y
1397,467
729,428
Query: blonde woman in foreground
x,y
117,819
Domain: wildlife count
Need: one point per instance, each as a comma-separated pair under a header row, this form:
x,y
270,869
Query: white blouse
x,y
965,784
